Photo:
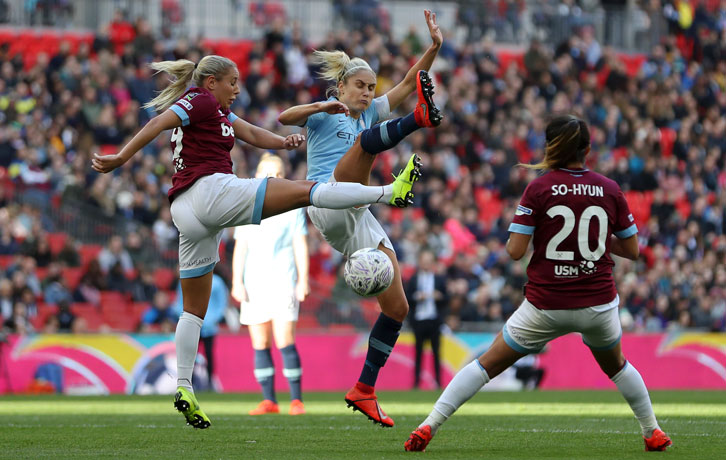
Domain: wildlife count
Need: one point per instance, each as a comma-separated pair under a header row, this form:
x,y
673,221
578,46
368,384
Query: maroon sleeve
x,y
194,107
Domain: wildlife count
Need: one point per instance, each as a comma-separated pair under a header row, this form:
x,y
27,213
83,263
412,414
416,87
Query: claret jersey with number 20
x,y
571,215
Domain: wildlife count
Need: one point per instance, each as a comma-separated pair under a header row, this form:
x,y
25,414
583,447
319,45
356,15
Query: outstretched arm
x,y
298,115
107,163
408,85
263,138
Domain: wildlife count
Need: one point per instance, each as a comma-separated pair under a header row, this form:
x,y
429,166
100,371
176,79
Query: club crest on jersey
x,y
521,211
588,267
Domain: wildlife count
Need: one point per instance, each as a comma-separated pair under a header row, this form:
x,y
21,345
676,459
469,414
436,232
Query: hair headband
x,y
355,69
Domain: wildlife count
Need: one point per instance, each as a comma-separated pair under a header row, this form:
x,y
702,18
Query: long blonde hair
x,y
337,67
184,72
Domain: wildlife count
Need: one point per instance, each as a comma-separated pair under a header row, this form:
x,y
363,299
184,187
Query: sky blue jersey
x,y
330,136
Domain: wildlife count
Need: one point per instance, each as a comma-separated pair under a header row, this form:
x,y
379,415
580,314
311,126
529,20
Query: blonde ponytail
x,y
338,66
184,73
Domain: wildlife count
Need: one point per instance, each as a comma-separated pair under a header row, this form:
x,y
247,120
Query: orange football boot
x,y
657,442
362,398
419,439
266,407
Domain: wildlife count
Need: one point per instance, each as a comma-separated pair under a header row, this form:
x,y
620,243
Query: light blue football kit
x,y
329,138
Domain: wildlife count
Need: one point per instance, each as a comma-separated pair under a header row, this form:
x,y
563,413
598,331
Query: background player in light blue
x,y
270,279
342,146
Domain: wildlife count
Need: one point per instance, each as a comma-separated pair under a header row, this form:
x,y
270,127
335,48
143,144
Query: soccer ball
x,y
368,272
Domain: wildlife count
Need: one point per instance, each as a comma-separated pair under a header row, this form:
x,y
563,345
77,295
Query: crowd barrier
x,y
145,364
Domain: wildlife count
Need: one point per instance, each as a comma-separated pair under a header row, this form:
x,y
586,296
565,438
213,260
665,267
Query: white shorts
x,y
348,230
529,329
258,312
210,205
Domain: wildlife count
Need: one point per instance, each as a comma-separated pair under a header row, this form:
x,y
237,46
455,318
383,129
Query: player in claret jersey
x,y
206,197
575,218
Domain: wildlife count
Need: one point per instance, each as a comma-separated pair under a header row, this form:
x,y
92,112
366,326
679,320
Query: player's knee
x,y
397,310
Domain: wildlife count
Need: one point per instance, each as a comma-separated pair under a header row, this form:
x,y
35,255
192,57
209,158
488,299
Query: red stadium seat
x,y
94,320
112,300
44,311
6,261
163,277
88,252
307,322
41,273
667,139
73,276
56,241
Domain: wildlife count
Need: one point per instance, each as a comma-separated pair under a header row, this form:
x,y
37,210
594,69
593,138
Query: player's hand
x,y
106,163
436,36
301,291
333,107
293,141
239,293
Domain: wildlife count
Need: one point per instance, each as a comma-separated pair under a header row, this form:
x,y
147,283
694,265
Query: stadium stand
x,y
657,120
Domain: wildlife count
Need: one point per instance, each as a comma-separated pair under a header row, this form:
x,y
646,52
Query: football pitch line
x,y
143,407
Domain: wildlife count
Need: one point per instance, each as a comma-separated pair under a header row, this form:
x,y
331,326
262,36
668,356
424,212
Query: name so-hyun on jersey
x,y
571,215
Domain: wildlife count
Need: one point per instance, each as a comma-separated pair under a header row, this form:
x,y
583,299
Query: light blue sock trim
x,y
384,133
181,114
380,346
514,345
606,347
196,272
480,366
312,190
259,202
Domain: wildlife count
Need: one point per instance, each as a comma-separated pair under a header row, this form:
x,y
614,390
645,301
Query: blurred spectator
x,y
66,318
143,288
91,284
160,314
115,253
18,322
55,289
426,294
69,254
6,298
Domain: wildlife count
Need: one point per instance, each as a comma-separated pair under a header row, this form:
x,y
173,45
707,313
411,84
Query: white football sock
x,y
633,389
186,339
344,195
465,384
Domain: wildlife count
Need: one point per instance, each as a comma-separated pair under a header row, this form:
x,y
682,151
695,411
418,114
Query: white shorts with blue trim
x,y
529,329
210,205
348,230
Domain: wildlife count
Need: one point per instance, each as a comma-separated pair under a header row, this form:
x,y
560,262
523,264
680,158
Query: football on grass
x,y
368,272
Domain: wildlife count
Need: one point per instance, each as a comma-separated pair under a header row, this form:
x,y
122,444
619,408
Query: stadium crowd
x,y
659,130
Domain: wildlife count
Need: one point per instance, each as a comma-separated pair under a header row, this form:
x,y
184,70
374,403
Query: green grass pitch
x,y
493,425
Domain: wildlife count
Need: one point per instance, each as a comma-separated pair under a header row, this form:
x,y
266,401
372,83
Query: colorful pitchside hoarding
x,y
132,363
